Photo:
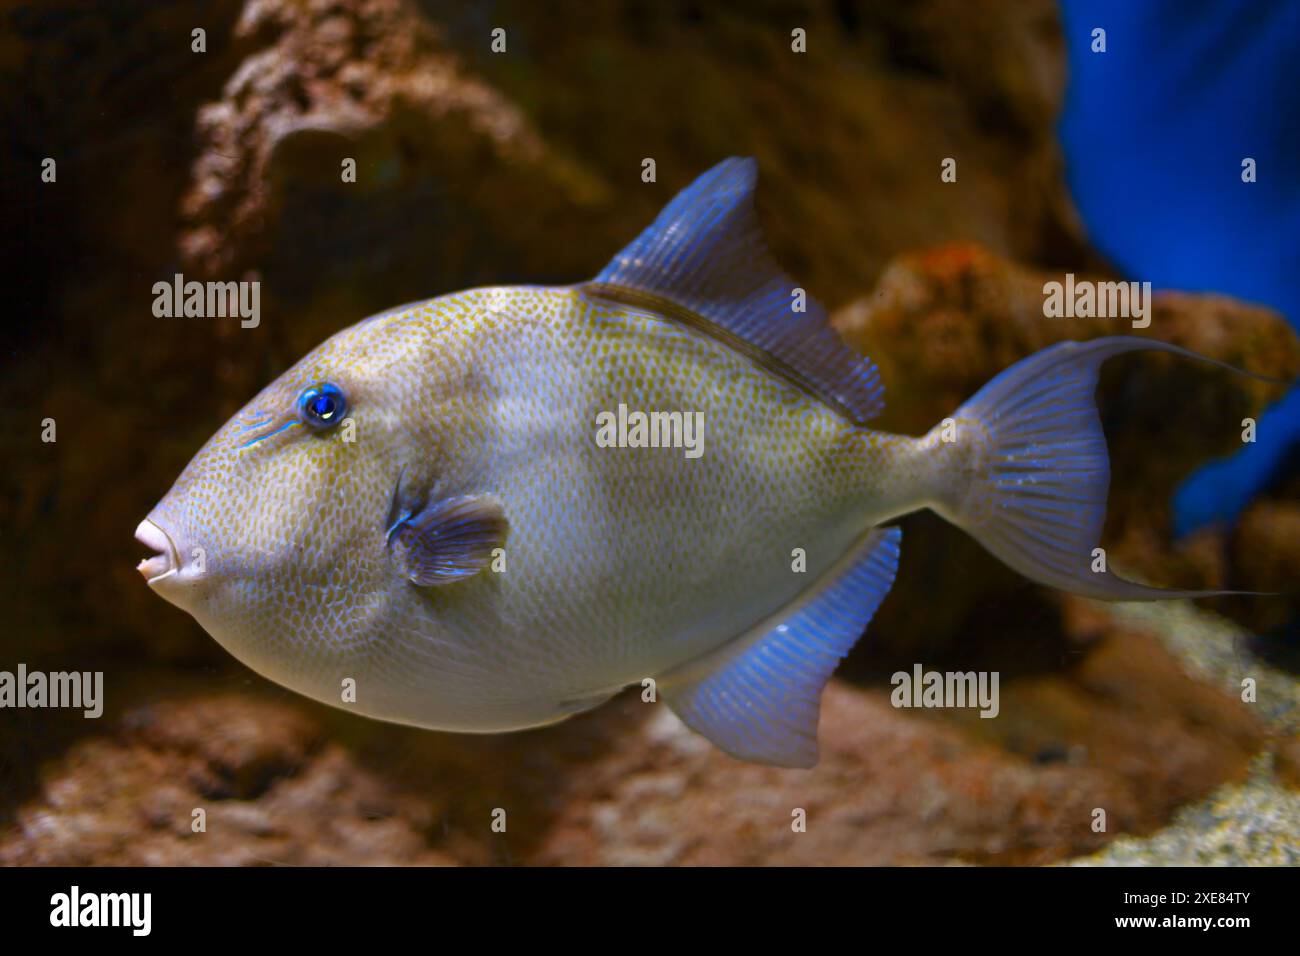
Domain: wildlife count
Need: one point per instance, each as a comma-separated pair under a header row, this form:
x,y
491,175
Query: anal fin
x,y
759,696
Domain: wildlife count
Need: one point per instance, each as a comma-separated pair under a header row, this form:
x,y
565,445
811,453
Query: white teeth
x,y
155,567
161,564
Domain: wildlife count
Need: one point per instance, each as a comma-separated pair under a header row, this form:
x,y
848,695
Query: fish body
x,y
501,389
423,509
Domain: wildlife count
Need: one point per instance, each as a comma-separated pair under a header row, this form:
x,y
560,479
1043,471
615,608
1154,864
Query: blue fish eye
x,y
322,406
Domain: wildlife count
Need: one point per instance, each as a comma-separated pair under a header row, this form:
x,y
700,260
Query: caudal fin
x,y
1037,472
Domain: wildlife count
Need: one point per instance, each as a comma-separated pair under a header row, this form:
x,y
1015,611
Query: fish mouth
x,y
166,560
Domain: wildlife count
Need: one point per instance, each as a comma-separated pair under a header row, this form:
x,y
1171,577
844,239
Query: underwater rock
x,y
1263,554
896,788
849,152
943,321
284,781
361,113
228,779
485,164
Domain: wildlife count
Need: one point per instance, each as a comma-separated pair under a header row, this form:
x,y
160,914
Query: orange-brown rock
x,y
943,321
282,781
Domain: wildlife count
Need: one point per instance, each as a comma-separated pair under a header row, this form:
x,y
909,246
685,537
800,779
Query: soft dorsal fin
x,y
758,697
703,261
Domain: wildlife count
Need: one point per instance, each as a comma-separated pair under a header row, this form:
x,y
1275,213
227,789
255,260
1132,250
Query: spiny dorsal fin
x,y
703,261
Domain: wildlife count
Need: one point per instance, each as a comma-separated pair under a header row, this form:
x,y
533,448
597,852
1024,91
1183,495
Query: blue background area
x,y
1154,132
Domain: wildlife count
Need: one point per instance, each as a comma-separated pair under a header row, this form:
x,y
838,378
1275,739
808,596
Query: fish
x,y
430,520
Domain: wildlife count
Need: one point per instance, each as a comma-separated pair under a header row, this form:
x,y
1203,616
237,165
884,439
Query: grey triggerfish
x,y
498,508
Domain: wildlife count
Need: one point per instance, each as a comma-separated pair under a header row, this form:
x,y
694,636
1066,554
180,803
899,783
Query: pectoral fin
x,y
448,540
759,696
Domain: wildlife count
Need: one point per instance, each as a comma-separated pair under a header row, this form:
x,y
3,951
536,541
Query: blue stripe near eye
x,y
251,425
253,441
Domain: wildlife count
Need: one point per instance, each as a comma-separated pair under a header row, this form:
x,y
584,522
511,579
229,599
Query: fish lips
x,y
166,562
